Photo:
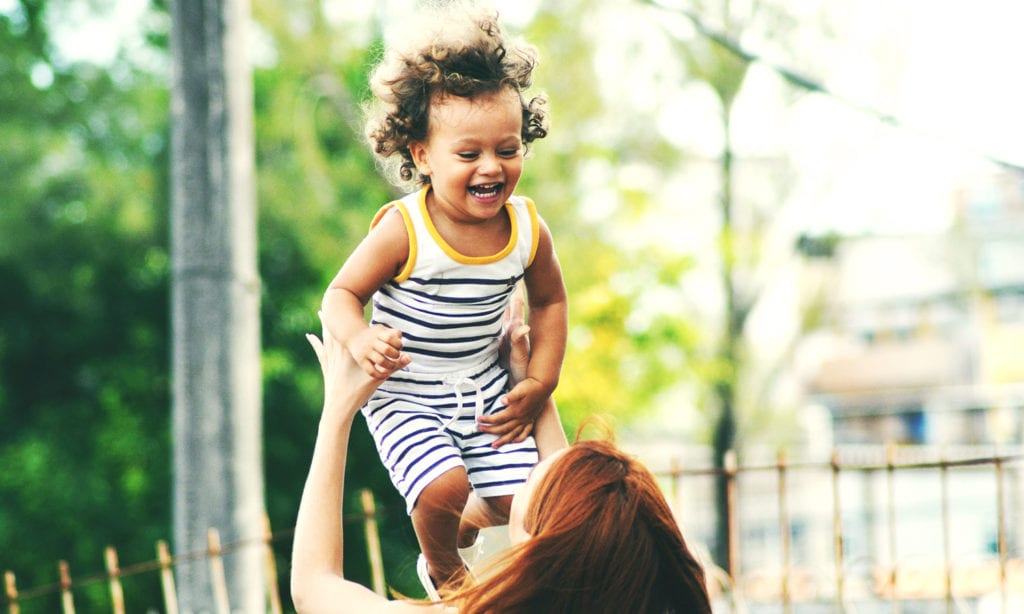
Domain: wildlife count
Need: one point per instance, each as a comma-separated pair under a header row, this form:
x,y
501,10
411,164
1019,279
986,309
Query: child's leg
x,y
493,511
436,521
480,513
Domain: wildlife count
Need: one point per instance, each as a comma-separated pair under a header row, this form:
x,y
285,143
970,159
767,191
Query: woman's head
x,y
599,537
454,51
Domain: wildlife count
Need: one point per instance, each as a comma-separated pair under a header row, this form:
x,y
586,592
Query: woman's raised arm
x,y
317,581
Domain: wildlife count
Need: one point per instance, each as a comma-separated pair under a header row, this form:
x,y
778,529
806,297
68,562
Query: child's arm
x,y
548,325
547,430
378,258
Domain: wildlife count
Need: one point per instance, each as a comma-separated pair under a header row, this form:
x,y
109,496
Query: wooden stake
x,y
114,577
67,602
373,542
12,593
217,576
273,594
163,554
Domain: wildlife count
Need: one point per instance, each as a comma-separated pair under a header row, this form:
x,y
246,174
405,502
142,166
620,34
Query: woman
x,y
590,531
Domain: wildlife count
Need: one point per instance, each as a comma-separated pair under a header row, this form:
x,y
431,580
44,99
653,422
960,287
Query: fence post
x,y
217,577
1001,531
947,562
67,602
837,534
373,541
784,532
270,567
163,555
676,471
890,467
114,578
732,524
12,593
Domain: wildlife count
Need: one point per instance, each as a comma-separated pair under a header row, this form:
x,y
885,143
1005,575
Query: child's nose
x,y
489,164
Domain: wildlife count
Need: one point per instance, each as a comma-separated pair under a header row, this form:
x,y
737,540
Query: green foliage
x,y
83,262
85,454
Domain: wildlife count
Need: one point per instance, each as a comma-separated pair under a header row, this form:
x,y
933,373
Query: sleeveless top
x,y
449,306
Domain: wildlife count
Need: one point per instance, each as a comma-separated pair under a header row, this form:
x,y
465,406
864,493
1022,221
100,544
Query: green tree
x,y
726,369
83,326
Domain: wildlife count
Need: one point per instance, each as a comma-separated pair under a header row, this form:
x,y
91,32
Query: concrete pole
x,y
216,397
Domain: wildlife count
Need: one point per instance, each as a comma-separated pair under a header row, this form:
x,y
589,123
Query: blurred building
x,y
926,339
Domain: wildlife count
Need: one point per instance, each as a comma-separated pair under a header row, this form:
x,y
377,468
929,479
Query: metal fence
x,y
870,529
914,531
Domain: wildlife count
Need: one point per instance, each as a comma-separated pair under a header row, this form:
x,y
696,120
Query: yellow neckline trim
x,y
455,254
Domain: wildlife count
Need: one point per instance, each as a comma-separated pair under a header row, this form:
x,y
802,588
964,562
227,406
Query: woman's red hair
x,y
603,539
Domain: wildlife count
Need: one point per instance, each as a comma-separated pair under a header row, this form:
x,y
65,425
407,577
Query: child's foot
x,y
425,580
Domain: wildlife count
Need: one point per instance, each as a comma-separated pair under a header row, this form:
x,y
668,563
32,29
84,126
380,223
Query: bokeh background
x,y
785,224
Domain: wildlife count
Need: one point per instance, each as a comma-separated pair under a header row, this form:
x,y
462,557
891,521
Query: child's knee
x,y
501,504
449,491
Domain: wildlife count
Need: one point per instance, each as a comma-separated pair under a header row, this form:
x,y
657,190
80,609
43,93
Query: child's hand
x,y
378,350
341,374
515,423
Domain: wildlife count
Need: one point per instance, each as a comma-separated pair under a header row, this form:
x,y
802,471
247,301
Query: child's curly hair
x,y
463,53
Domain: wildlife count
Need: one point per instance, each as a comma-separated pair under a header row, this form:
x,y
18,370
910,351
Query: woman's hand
x,y
514,346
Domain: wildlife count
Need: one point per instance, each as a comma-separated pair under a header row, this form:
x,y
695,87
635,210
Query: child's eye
x,y
509,153
467,155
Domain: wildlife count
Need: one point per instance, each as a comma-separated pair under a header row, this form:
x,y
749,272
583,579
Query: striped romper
x,y
450,309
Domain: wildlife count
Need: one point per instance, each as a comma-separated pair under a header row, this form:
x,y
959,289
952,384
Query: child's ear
x,y
418,151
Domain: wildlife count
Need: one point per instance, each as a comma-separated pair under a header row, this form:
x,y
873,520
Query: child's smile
x,y
473,154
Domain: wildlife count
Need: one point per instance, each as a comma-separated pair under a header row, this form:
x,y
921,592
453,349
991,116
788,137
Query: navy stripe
x,y
390,426
453,300
501,467
439,354
501,483
395,294
374,410
465,280
425,472
489,321
391,447
417,459
411,337
435,382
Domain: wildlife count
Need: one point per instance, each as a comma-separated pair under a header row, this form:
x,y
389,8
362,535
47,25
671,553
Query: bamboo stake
x,y
1001,532
67,602
373,541
675,468
784,533
270,568
12,593
170,591
890,468
947,561
732,524
837,534
217,577
114,577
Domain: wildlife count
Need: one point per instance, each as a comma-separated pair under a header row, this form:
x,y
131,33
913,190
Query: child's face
x,y
473,153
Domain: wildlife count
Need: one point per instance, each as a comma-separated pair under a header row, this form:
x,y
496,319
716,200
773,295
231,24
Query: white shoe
x,y
471,555
428,584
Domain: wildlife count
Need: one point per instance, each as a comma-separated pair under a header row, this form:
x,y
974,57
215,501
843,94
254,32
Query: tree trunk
x,y
724,434
217,411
